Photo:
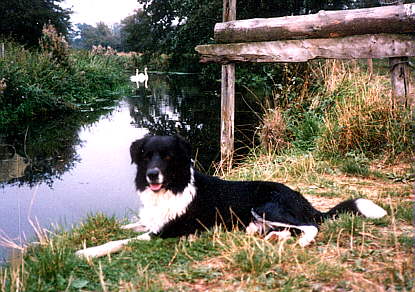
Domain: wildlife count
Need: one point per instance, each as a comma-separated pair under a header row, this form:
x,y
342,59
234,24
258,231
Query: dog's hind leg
x,y
309,234
109,247
137,227
308,231
278,235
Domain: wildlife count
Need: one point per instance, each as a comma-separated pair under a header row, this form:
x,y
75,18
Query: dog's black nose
x,y
153,174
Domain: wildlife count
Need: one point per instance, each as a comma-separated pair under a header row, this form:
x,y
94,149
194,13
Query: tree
x,y
177,26
23,20
171,26
101,34
137,33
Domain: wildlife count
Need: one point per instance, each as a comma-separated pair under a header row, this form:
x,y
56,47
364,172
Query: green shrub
x,y
356,164
305,131
39,85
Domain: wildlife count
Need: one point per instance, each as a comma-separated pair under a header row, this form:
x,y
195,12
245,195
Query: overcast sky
x,y
93,11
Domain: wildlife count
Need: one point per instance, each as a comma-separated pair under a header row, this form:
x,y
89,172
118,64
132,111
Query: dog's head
x,y
163,163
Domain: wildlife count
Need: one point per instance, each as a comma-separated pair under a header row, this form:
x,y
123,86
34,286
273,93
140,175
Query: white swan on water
x,y
140,78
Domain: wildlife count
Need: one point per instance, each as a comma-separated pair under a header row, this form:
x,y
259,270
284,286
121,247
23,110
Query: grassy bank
x,y
350,253
41,84
340,138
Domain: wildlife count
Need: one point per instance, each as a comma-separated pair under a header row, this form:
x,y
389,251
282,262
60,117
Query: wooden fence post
x,y
227,99
338,35
2,50
227,116
403,90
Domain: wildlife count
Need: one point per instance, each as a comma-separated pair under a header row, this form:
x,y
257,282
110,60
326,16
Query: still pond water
x,y
61,171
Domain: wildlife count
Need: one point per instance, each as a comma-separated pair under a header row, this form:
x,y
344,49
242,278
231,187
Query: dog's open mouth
x,y
156,187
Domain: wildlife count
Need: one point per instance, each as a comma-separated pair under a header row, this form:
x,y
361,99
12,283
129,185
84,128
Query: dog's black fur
x,y
217,201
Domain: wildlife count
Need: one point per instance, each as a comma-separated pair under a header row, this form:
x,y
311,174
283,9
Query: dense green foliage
x,y
23,20
35,85
85,36
178,26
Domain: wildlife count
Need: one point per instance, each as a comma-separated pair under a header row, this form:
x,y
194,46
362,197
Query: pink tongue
x,y
155,187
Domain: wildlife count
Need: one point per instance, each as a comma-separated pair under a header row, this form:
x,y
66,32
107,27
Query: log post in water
x,y
227,98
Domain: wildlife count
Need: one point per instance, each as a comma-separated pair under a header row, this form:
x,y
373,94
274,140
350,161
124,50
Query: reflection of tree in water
x,y
177,105
12,165
48,149
43,152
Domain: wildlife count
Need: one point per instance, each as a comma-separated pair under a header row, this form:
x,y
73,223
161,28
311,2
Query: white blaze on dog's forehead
x,y
160,208
369,209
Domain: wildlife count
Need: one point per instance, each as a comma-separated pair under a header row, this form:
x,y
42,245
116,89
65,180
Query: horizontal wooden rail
x,y
325,24
352,47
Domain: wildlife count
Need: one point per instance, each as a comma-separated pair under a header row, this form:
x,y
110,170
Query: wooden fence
x,y
381,32
2,51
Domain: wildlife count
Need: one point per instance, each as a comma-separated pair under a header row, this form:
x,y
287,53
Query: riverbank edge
x,y
348,253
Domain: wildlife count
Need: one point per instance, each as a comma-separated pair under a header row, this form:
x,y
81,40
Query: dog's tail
x,y
362,207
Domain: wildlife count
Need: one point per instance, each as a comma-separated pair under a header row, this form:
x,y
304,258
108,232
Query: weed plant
x,y
347,110
42,84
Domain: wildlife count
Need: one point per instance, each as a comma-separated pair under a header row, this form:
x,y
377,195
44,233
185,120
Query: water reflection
x,y
12,165
60,171
180,107
43,152
48,148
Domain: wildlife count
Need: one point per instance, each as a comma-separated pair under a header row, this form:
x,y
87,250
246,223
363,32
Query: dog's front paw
x,y
91,252
145,236
102,250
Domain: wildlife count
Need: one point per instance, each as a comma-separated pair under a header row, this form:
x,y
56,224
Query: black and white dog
x,y
178,200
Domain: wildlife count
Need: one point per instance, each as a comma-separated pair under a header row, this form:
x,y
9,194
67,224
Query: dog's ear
x,y
136,149
184,146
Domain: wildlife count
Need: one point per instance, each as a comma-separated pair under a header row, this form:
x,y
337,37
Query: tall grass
x,y
40,84
349,110
365,117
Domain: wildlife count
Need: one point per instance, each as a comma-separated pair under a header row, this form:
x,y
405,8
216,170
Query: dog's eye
x,y
147,156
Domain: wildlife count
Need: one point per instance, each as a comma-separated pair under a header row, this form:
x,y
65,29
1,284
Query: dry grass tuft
x,y
346,110
273,131
364,118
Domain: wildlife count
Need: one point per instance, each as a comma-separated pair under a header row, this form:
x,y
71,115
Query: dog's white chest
x,y
159,209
